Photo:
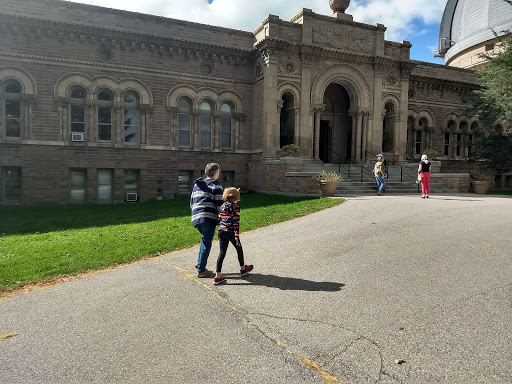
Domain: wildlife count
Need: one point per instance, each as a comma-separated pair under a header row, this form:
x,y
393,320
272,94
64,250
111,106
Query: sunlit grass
x,y
38,243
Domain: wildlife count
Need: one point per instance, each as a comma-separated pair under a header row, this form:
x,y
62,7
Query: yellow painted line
x,y
5,336
328,378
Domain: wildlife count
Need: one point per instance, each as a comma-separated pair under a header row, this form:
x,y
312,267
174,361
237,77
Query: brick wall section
x,y
49,181
271,176
459,182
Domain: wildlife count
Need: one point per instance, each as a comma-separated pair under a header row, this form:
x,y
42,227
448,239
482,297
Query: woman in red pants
x,y
424,171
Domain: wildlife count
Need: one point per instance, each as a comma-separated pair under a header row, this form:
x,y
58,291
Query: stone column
x,y
118,124
270,120
236,141
352,113
64,120
27,104
397,132
173,141
359,129
296,126
91,121
143,126
317,113
366,116
404,107
280,104
374,144
216,131
195,131
305,129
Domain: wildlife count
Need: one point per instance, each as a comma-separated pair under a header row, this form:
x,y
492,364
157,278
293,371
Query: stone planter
x,y
328,187
481,187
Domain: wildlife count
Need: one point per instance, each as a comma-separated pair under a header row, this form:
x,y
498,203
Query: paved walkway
x,y
337,296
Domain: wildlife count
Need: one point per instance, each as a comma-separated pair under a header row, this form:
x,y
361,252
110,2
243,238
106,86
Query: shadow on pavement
x,y
284,283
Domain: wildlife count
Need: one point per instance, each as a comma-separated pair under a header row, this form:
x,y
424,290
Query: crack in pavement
x,y
328,378
330,359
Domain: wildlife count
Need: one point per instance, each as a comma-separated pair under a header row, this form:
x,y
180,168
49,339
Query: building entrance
x,y
335,126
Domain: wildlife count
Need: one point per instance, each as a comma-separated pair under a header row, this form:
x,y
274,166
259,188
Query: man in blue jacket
x,y
205,202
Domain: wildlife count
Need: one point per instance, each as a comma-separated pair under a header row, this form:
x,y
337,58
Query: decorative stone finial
x,y
339,5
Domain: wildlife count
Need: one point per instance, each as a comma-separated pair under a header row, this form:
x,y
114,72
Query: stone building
x,y
96,103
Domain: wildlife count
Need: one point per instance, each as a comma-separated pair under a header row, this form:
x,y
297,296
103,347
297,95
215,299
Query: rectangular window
x,y
130,126
105,184
11,177
459,144
206,131
418,142
185,183
13,118
225,133
77,118
105,123
184,130
447,144
78,184
131,180
470,145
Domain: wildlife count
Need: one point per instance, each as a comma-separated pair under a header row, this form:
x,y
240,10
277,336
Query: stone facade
x,y
96,102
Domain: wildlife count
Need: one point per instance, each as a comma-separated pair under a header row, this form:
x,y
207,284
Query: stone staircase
x,y
359,179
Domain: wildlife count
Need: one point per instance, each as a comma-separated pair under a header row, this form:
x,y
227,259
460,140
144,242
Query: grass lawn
x,y
39,243
504,192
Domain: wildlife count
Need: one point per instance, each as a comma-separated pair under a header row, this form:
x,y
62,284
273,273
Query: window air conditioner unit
x,y
77,136
130,196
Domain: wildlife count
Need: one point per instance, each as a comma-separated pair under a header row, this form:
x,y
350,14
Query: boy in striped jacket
x,y
205,201
229,231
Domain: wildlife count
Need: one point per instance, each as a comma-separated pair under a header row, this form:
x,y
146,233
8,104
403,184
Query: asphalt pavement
x,y
381,289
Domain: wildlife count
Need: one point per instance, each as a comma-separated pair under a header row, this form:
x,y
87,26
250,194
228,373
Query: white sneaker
x,y
422,196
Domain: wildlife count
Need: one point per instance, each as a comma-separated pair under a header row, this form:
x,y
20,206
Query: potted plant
x,y
328,182
291,150
481,182
431,153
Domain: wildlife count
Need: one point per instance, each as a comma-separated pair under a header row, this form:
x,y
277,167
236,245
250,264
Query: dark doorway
x,y
325,151
335,136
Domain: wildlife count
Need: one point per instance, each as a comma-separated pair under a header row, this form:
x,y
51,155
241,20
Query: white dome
x,y
467,23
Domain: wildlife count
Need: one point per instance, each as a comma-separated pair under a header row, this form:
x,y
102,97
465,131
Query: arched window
x,y
287,118
184,121
226,130
205,123
447,137
105,106
461,138
77,105
12,96
131,104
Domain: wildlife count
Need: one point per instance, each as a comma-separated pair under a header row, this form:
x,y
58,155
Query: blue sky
x,y
416,21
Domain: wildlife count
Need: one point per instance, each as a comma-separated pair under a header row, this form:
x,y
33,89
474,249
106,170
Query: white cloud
x,y
397,15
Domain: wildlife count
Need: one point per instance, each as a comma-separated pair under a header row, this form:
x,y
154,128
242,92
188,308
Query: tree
x,y
492,102
496,150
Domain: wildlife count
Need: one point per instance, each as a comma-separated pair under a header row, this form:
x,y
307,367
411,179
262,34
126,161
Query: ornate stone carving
x,y
258,71
207,68
391,80
105,55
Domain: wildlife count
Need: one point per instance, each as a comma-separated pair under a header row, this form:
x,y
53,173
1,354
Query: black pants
x,y
224,239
